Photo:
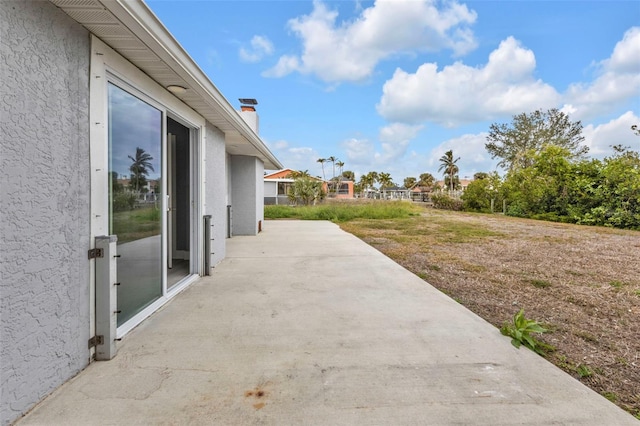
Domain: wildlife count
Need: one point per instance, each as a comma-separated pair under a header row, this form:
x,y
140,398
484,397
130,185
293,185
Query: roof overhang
x,y
135,32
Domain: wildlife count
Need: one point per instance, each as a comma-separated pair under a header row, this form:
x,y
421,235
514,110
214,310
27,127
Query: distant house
x,y
396,193
345,190
463,183
277,184
420,193
93,91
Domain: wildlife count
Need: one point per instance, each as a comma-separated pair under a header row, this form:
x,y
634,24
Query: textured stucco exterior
x,y
44,202
247,189
215,187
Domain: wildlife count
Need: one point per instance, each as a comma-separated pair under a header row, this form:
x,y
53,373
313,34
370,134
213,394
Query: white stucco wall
x,y
270,189
44,202
215,187
247,189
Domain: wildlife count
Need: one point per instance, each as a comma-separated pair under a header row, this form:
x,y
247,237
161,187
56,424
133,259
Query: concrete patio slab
x,y
306,324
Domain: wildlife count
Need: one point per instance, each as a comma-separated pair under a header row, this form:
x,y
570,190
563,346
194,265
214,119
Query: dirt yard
x,y
582,283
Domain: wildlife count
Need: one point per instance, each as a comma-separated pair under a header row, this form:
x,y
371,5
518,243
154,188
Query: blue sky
x,y
389,86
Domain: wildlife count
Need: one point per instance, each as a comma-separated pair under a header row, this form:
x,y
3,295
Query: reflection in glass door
x,y
135,199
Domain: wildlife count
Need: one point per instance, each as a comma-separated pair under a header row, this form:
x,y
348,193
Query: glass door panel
x,y
179,202
135,199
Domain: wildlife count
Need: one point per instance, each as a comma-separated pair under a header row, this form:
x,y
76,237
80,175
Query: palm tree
x,y
333,162
333,176
367,181
448,165
322,161
295,174
409,182
340,165
426,180
385,181
140,168
349,175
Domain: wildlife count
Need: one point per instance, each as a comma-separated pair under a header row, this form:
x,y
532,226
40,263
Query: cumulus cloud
x,y
600,138
280,144
350,51
395,139
295,157
359,152
618,80
459,93
260,47
473,155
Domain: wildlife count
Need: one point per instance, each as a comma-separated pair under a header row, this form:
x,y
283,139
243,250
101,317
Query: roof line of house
x,y
136,17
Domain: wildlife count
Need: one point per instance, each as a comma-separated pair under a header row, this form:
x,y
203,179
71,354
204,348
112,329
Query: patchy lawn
x,y
582,283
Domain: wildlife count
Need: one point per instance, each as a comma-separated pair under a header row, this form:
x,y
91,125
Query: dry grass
x,y
583,283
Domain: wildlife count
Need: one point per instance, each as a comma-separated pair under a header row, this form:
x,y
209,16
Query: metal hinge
x,y
95,253
95,341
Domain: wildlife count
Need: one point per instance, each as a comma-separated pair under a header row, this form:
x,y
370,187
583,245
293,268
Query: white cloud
x,y
296,157
395,139
460,93
618,80
285,65
360,152
600,138
350,51
473,155
280,145
260,47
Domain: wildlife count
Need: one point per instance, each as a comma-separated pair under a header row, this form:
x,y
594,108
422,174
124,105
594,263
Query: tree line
x,y
549,176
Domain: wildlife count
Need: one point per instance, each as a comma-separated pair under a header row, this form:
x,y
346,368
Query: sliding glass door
x,y
135,199
152,200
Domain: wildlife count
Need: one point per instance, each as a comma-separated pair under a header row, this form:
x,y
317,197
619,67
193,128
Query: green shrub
x,y
445,202
123,201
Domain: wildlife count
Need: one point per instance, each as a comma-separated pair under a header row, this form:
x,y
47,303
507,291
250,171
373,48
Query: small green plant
x,y
611,396
520,333
540,283
616,284
584,371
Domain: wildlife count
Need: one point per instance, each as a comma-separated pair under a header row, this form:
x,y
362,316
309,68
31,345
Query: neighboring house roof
x,y
463,182
279,174
283,174
132,29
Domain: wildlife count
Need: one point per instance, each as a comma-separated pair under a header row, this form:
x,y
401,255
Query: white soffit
x,y
131,29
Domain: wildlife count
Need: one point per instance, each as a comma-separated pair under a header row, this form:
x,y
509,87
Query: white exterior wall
x,y
215,191
247,189
53,200
270,189
44,202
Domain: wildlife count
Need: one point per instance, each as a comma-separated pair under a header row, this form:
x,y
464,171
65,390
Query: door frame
x,y
109,66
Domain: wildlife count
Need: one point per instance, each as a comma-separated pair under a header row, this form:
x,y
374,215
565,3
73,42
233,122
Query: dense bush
x,y
591,192
445,202
123,201
479,193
